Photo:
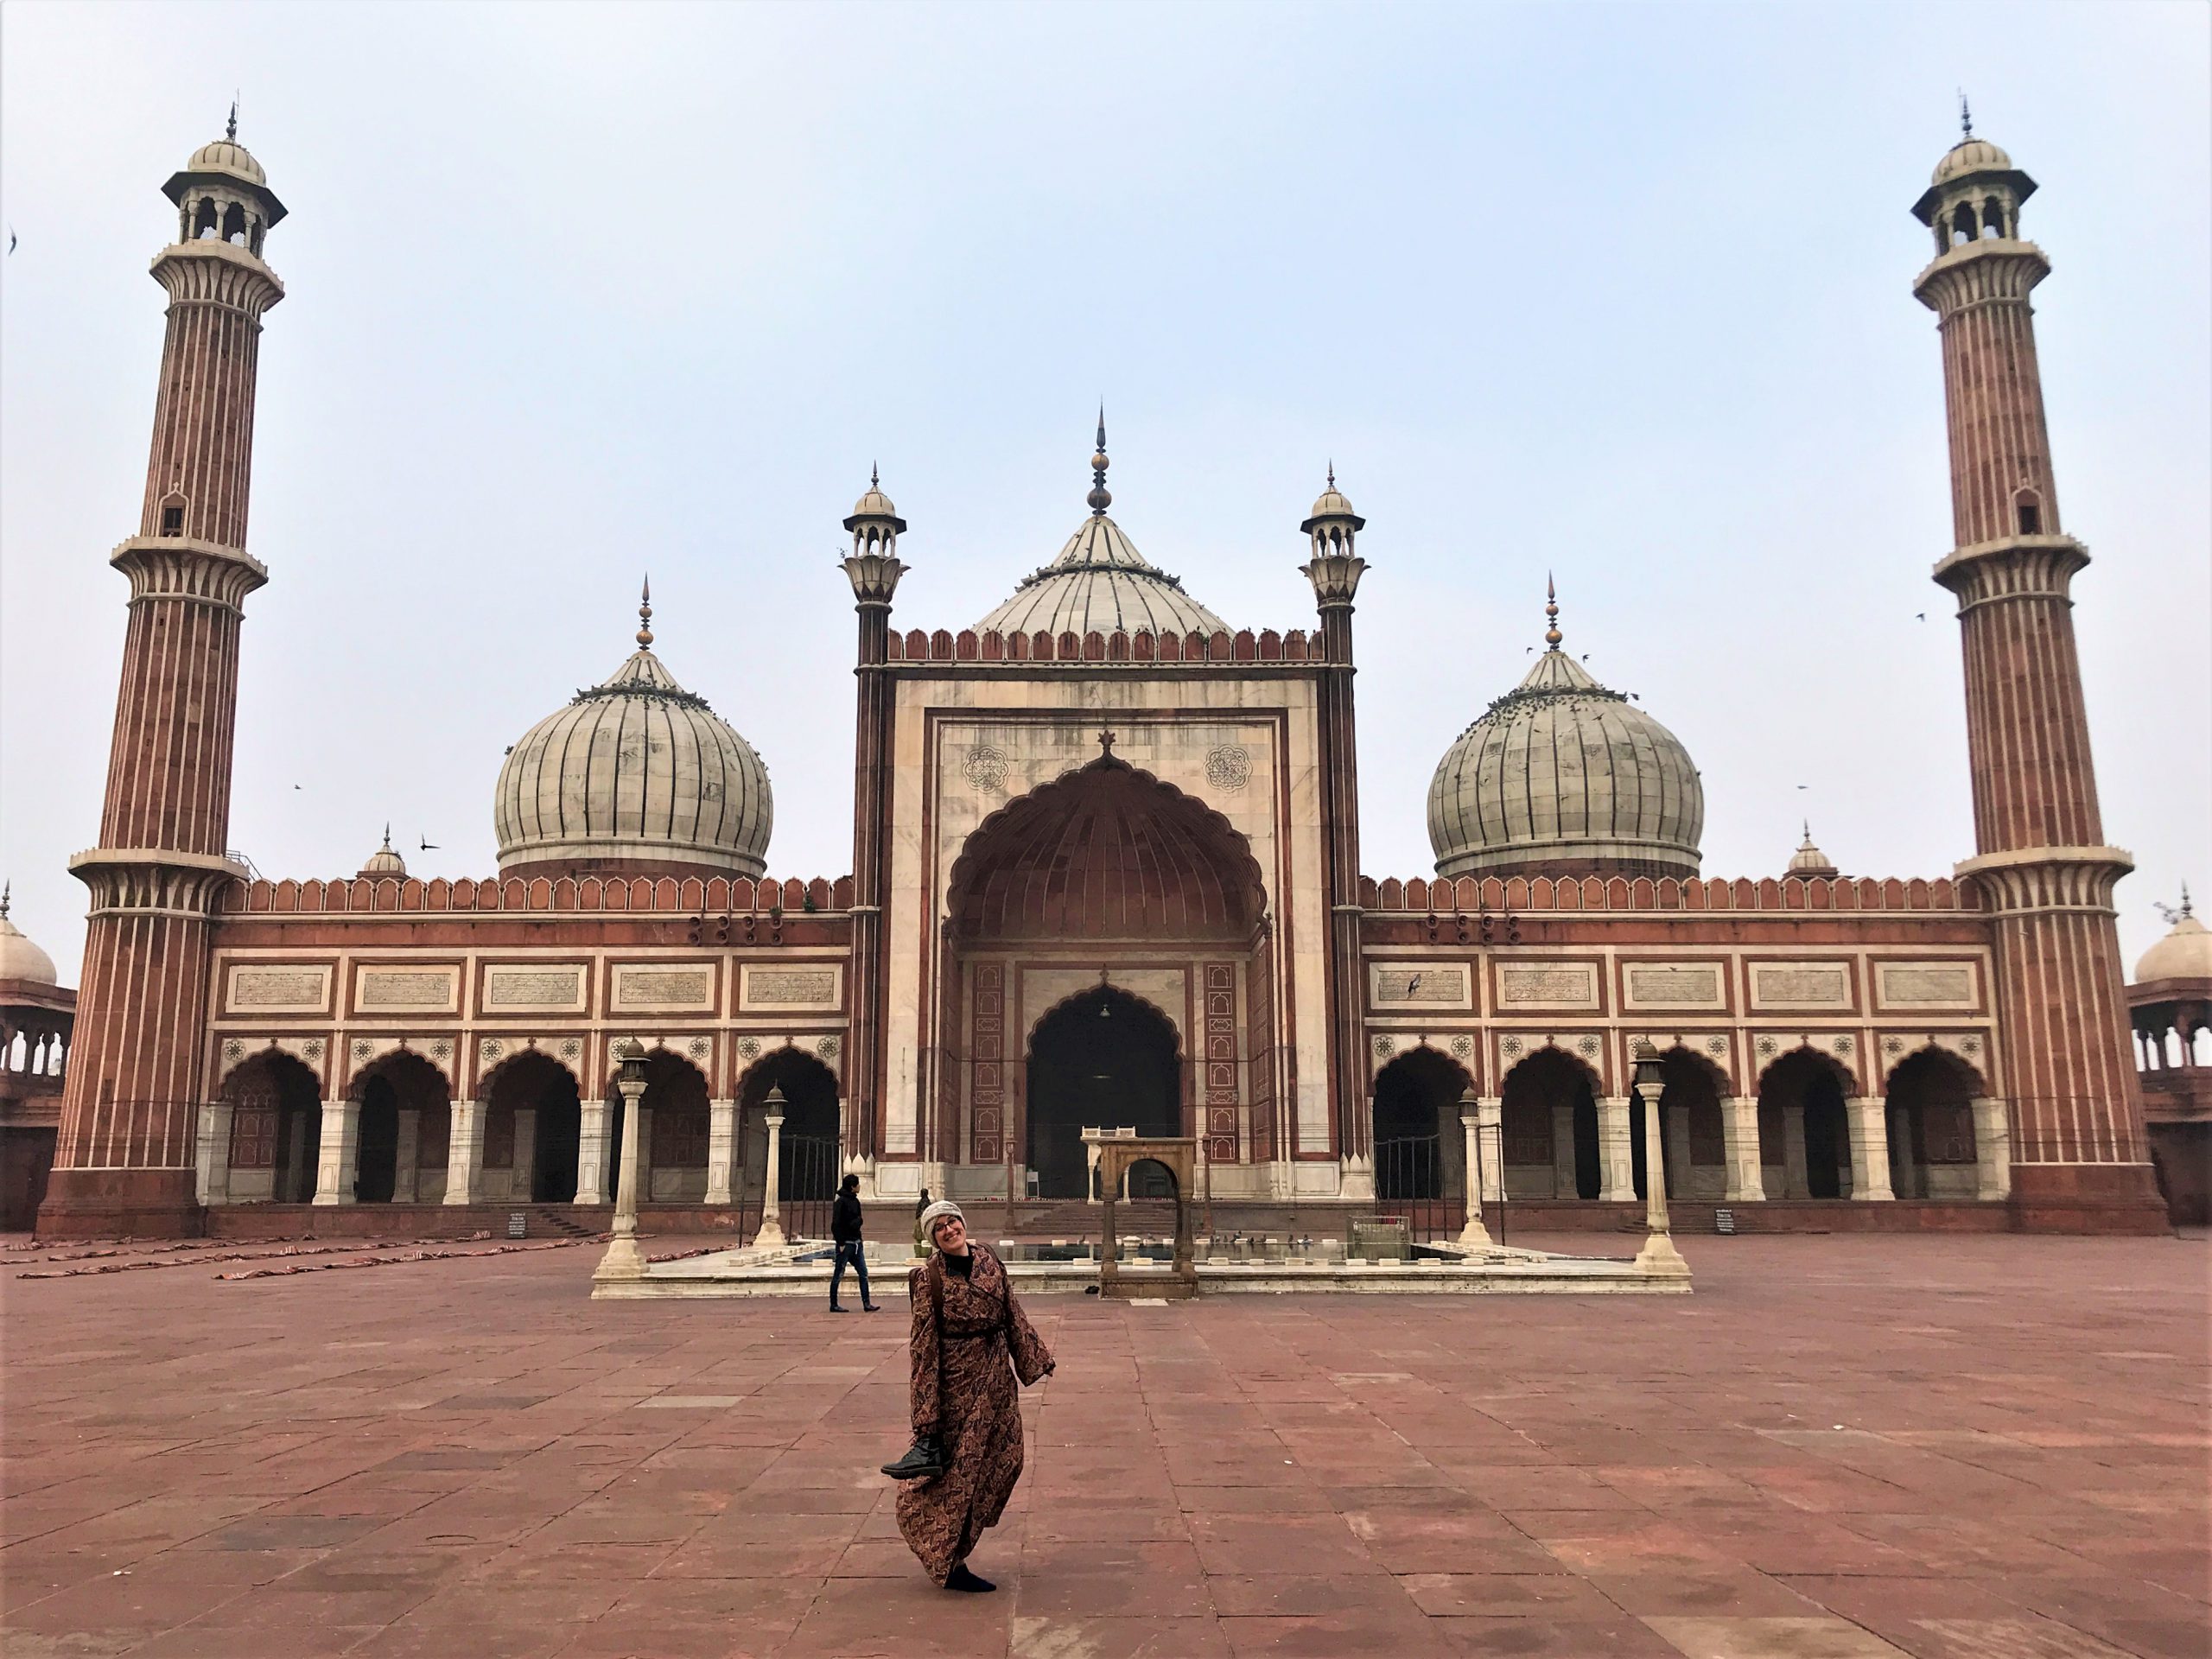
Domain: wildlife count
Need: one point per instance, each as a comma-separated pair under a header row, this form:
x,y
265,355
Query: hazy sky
x,y
1622,293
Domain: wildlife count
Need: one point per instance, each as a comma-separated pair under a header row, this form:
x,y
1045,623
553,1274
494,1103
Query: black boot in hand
x,y
924,1460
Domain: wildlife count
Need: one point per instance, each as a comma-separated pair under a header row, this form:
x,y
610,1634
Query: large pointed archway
x,y
1103,1060
1107,964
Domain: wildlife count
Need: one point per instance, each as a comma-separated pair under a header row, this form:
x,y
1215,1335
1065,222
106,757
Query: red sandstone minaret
x,y
124,1162
2041,864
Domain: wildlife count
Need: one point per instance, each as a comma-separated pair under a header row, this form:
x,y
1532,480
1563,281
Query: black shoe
x,y
834,1308
871,1307
962,1579
924,1460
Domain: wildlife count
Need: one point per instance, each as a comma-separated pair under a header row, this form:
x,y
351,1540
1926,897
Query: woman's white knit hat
x,y
937,1212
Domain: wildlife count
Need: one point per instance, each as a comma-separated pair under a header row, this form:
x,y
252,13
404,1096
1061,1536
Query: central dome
x,y
1561,776
1100,583
635,773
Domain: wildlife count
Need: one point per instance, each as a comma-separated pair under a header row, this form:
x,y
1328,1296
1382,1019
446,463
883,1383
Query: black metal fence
x,y
1409,1186
808,1171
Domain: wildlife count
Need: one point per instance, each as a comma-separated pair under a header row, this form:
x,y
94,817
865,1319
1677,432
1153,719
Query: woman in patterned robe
x,y
970,1340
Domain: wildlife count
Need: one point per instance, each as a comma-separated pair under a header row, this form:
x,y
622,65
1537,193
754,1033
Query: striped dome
x,y
635,769
1100,581
1559,770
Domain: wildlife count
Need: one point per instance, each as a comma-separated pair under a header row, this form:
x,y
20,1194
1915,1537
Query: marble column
x,y
1616,1150
1740,1129
624,1260
465,1153
1795,1183
722,1149
406,1177
592,1161
1993,1151
771,1224
338,1158
1474,1235
1490,1116
213,1152
1905,1178
1563,1150
1658,1255
1869,1147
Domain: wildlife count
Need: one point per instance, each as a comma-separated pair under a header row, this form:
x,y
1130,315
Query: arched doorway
x,y
276,1129
403,1098
1549,1123
376,1177
1104,1061
535,1099
1930,1110
809,1163
1420,1148
1691,1141
1802,1138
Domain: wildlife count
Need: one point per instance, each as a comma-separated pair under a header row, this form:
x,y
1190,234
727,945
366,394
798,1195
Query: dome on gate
x,y
20,956
1100,583
2184,953
636,771
1561,773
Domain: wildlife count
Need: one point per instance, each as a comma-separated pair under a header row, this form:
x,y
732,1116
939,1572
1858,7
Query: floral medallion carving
x,y
1229,768
985,769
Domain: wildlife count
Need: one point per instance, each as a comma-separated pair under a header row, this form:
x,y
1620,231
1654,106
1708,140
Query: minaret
x,y
1335,568
874,568
124,1161
2041,864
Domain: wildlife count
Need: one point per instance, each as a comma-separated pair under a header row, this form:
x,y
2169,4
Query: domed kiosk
x,y
37,1019
2170,1006
636,775
1561,776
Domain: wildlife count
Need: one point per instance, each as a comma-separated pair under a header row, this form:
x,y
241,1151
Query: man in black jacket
x,y
845,1234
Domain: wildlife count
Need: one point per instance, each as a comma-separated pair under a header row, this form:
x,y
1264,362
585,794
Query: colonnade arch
x,y
404,1131
1934,1151
276,1128
1804,1134
1420,1147
808,1160
1549,1126
533,1127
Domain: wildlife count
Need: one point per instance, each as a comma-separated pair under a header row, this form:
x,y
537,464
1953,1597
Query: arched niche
x,y
1804,1135
809,1160
1420,1149
275,1128
1549,1126
533,1114
405,1128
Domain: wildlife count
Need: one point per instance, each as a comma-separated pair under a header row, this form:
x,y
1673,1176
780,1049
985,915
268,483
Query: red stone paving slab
x,y
1985,1448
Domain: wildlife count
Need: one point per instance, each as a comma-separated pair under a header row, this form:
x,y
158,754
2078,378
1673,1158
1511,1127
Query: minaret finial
x,y
1966,117
1332,473
1099,497
874,477
387,836
7,889
231,131
1552,635
646,614
2188,910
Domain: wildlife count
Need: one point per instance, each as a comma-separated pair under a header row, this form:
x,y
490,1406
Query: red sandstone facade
x,y
1115,850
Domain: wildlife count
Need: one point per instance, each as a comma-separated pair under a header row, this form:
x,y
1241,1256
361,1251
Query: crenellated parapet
x,y
1144,647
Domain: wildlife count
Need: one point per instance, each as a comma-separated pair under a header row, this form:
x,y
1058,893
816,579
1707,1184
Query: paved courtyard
x,y
1961,1448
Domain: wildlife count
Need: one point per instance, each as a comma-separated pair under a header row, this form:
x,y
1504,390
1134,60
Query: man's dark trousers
x,y
852,1250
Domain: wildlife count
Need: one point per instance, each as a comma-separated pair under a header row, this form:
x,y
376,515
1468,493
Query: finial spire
x,y
1552,635
1332,473
1966,117
231,131
2188,910
7,889
387,836
1099,497
874,477
646,614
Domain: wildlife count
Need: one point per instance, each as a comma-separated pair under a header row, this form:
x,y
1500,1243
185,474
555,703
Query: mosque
x,y
1105,872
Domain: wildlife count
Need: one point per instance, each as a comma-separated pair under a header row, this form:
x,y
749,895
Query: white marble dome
x,y
1561,771
635,771
20,956
2184,953
1100,581
227,155
1970,156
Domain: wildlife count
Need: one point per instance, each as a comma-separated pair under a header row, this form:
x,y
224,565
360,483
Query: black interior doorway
x,y
1104,1061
